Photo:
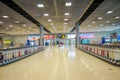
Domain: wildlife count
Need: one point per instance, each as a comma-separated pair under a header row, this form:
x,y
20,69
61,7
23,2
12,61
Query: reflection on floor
x,y
60,63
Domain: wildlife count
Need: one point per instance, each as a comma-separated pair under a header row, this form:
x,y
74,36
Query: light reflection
x,y
71,54
91,69
87,66
48,53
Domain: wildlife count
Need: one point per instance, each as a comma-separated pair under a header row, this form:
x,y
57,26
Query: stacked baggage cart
x,y
13,54
108,53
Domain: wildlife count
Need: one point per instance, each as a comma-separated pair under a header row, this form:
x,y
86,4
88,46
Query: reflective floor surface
x,y
60,63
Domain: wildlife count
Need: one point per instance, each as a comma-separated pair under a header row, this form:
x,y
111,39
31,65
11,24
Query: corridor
x,y
60,63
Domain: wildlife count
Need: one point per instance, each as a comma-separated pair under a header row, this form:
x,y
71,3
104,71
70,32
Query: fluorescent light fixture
x,y
93,22
109,12
10,25
117,17
68,4
5,16
1,22
24,25
49,20
65,23
51,24
67,14
107,21
46,14
100,18
40,5
65,19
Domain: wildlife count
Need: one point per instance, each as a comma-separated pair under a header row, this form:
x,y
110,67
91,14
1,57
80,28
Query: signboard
x,y
71,36
86,35
35,37
118,37
48,36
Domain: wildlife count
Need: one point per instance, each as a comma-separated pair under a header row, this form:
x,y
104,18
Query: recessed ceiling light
x,y
67,14
109,12
107,21
65,19
68,4
5,16
51,24
17,21
49,20
40,5
3,30
88,25
24,25
10,25
46,14
113,24
100,18
6,28
101,24
117,17
1,22
18,28
93,22
29,27
65,23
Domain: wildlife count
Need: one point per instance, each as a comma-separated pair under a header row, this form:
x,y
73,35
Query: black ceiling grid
x,y
89,11
17,8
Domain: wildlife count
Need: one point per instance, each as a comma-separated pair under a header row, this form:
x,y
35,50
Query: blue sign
x,y
118,37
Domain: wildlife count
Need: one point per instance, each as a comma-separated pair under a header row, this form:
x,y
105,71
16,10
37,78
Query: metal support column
x,y
41,42
77,27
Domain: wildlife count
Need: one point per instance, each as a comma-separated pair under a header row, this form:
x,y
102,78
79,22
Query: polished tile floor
x,y
60,63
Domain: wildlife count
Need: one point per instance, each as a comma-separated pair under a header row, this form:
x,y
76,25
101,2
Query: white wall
x,y
20,39
17,40
98,36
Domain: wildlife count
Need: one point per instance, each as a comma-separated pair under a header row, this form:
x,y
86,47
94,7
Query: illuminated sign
x,y
86,35
36,37
48,36
71,36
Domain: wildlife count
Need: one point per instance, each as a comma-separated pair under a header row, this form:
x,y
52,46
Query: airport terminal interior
x,y
59,39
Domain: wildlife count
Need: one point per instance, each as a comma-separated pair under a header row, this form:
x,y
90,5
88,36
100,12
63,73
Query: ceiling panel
x,y
108,21
56,10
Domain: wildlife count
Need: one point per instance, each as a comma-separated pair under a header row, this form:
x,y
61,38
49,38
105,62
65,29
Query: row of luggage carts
x,y
11,55
106,52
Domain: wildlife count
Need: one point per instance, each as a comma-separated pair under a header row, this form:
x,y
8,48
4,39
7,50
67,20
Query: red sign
x,y
48,36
